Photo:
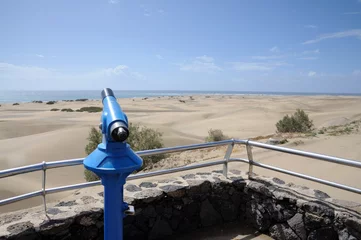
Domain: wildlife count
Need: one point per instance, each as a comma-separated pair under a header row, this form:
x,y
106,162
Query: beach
x,y
30,133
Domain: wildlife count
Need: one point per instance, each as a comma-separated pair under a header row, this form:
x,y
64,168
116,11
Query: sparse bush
x,y
182,101
15,104
215,135
140,138
37,101
54,109
90,109
51,102
298,122
67,110
81,100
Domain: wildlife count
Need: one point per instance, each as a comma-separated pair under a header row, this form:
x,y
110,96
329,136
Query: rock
x,y
149,195
189,176
148,184
21,229
260,188
354,226
239,184
257,216
319,208
55,227
161,229
235,171
323,234
175,191
313,221
278,181
209,216
149,212
88,199
345,235
12,218
297,225
321,195
53,211
228,211
66,204
204,173
132,188
274,141
282,232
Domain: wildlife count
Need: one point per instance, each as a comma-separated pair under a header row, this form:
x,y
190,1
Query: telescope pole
x,y
113,202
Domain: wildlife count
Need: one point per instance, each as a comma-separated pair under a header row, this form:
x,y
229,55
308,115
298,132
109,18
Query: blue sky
x,y
288,46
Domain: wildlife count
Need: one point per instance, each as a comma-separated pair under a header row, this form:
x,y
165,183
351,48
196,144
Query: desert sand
x,y
31,133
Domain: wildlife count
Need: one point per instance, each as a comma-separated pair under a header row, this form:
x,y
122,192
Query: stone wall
x,y
183,204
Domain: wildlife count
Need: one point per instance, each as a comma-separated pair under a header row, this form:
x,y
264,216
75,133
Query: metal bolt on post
x,y
113,161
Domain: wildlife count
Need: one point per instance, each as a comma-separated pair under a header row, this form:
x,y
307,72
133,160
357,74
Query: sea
x,y
29,96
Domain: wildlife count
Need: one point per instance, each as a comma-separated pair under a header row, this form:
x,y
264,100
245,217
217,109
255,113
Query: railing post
x,y
226,157
250,158
43,186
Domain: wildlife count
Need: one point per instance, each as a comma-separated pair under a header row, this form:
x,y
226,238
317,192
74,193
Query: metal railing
x,y
227,159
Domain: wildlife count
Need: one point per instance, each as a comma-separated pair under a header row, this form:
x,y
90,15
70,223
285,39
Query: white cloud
x,y
161,11
274,49
33,77
316,51
311,74
113,1
205,58
40,55
268,57
308,58
311,26
348,33
256,66
351,13
159,56
201,64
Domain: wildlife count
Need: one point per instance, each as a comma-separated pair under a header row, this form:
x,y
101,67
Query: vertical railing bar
x,y
250,158
43,187
226,157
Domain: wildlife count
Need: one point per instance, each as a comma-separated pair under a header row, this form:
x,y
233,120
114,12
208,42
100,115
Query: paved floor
x,y
232,231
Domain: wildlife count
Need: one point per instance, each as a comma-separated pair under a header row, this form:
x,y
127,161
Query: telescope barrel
x,y
115,122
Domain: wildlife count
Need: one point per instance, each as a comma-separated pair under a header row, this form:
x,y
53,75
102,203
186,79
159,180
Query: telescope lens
x,y
120,134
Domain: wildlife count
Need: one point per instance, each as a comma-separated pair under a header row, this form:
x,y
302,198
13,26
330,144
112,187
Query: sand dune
x,y
31,133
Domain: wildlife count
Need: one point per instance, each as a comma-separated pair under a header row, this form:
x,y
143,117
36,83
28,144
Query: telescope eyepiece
x,y
119,132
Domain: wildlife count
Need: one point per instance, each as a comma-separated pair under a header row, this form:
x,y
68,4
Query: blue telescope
x,y
113,161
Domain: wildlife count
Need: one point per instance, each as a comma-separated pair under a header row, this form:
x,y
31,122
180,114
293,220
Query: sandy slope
x,y
31,133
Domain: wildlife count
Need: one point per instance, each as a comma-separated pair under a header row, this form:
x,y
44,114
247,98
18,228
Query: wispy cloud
x,y
256,66
161,11
311,73
308,58
311,26
268,57
113,1
352,13
40,55
159,56
201,64
348,33
16,76
316,51
275,49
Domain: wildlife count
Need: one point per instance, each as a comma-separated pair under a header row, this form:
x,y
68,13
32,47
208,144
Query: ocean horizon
x,y
13,96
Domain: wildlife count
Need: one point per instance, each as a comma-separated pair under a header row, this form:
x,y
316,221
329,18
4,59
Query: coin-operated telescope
x,y
113,161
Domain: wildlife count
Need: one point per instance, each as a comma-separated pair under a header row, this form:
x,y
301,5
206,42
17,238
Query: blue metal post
x,y
113,161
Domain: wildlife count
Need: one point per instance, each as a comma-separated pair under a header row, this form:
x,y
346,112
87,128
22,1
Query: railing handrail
x,y
79,161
